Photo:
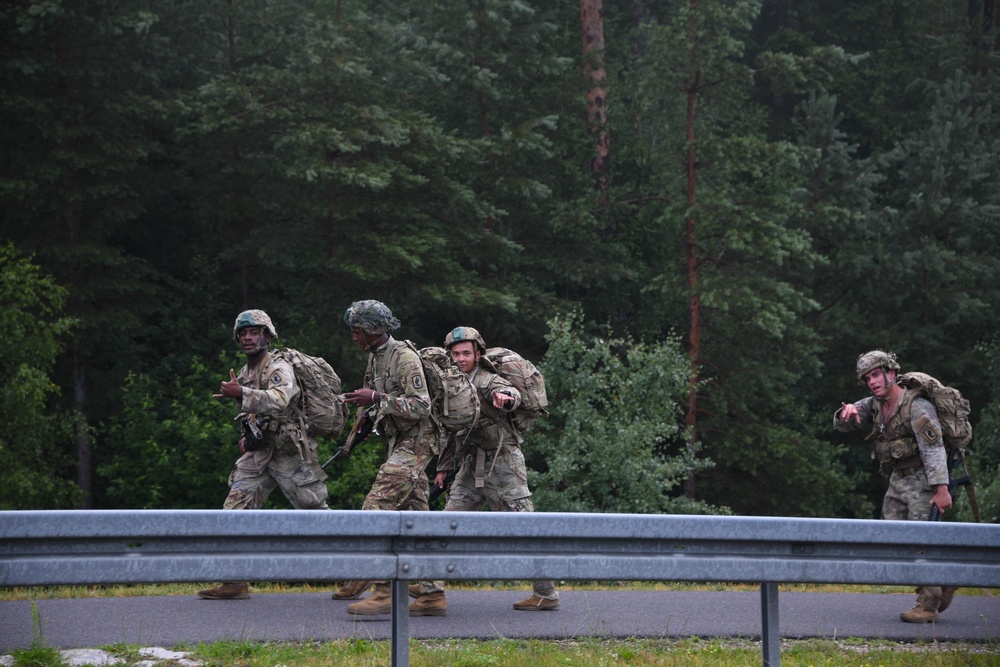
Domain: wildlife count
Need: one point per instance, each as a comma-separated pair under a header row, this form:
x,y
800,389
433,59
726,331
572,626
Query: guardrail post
x,y
400,623
769,631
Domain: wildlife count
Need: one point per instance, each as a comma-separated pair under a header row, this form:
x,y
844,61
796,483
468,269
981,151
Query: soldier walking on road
x,y
910,450
395,383
275,451
491,468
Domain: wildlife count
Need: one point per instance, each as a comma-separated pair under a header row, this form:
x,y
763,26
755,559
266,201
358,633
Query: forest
x,y
692,215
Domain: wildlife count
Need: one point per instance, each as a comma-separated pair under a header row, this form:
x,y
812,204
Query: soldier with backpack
x,y
491,468
278,449
910,449
396,384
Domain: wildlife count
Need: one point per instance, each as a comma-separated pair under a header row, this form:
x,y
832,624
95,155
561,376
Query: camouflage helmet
x,y
371,316
253,318
463,334
869,361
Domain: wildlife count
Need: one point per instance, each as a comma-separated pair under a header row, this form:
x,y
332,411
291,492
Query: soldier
x,y
275,453
911,454
491,469
395,382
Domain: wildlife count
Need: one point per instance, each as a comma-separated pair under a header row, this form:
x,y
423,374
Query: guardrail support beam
x,y
770,633
400,623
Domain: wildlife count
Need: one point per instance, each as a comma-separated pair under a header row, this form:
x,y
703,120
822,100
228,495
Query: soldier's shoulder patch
x,y
926,427
276,378
417,381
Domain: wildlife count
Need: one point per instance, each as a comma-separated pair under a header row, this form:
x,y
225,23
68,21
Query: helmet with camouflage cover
x,y
371,316
462,335
869,361
253,318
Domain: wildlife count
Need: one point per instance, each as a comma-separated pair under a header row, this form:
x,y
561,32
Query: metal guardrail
x,y
161,546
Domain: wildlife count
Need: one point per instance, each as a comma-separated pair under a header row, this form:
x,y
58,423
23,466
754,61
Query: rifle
x,y
954,456
364,425
436,490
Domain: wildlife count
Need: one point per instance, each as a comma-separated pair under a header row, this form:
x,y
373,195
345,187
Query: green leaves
x,y
613,441
34,432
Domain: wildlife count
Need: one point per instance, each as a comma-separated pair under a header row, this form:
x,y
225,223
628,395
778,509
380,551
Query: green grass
x,y
590,652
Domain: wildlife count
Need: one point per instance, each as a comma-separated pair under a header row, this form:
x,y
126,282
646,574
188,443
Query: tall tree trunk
x,y
694,336
84,475
989,40
592,19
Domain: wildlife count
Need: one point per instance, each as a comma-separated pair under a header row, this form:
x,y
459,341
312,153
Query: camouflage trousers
x,y
909,499
401,482
505,489
256,474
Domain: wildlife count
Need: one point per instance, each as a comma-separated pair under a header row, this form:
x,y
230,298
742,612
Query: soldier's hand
x,y
362,397
243,445
942,498
849,411
230,388
501,399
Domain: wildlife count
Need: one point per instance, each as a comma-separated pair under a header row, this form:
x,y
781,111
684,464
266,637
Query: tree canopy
x,y
695,227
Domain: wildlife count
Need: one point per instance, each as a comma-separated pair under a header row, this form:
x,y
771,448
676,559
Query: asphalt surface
x,y
169,620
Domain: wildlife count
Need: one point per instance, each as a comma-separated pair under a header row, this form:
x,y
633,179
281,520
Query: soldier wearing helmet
x,y
910,450
396,388
491,469
274,452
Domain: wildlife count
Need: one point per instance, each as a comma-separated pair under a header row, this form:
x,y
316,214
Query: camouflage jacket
x,y
395,372
493,429
913,432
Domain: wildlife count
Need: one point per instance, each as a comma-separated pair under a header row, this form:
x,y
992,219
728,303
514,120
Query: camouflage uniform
x,y
285,461
491,468
403,420
911,454
286,457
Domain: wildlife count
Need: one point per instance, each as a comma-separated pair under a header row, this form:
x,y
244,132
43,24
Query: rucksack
x,y
526,378
454,400
322,410
952,408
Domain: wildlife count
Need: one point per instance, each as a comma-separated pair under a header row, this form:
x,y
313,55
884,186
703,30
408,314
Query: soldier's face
x,y
252,339
465,355
363,339
879,381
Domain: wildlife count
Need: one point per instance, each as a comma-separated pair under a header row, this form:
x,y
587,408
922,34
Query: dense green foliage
x,y
168,164
34,462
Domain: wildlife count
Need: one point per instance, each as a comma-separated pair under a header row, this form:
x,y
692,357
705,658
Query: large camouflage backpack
x,y
454,400
526,378
952,407
321,408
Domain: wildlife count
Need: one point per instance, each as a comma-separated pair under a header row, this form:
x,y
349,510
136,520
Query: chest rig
x,y
896,447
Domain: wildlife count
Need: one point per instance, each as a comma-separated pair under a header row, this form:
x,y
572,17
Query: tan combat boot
x,y
231,591
535,603
432,604
926,609
379,602
351,590
413,590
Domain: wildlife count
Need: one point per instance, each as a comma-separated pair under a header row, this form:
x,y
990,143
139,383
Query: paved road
x,y
168,620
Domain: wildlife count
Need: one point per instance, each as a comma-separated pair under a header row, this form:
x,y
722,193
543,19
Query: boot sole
x,y
430,612
549,608
918,620
367,612
244,596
